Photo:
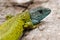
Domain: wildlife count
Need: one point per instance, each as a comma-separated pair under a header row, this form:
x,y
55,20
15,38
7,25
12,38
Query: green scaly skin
x,y
12,29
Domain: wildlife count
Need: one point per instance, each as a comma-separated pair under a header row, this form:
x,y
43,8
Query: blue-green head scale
x,y
38,14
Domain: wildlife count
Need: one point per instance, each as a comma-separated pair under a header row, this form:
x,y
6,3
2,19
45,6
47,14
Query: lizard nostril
x,y
40,11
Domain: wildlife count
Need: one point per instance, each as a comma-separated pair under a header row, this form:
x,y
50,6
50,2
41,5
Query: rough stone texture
x,y
48,29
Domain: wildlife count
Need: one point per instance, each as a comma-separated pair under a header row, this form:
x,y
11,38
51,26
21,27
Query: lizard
x,y
13,28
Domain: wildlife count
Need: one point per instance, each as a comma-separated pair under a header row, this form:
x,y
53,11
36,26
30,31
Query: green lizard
x,y
13,28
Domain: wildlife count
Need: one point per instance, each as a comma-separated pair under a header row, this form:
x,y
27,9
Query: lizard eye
x,y
40,11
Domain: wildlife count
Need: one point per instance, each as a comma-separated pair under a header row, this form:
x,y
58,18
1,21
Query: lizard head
x,y
38,14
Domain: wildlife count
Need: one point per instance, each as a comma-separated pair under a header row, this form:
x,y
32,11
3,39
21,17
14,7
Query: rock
x,y
19,1
48,29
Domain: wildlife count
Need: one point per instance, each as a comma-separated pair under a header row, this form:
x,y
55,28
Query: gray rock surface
x,y
48,29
